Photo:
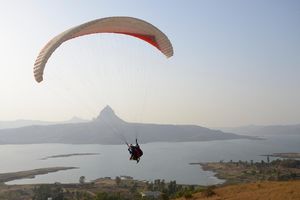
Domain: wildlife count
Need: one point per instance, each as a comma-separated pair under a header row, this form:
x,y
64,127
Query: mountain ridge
x,y
108,128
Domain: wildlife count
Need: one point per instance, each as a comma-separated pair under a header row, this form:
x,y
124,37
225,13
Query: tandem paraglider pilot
x,y
135,151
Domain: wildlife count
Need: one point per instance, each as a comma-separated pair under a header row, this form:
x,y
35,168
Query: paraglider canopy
x,y
119,25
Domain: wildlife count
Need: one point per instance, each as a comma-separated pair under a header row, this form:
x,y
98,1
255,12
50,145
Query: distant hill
x,y
21,123
108,128
265,130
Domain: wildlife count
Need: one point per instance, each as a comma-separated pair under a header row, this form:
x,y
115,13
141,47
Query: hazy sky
x,y
235,62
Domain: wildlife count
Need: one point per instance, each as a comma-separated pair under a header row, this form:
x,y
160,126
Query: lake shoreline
x,y
30,174
245,172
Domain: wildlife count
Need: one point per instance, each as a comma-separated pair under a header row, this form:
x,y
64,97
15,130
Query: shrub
x,y
209,191
188,195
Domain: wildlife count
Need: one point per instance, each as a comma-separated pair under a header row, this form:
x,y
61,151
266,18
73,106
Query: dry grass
x,y
288,190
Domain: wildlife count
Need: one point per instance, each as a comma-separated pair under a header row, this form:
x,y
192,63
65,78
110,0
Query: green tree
x,y
150,186
164,196
109,196
133,189
43,192
82,180
162,185
118,180
101,196
172,187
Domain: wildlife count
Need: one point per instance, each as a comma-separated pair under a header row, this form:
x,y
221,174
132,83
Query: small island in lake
x,y
5,177
69,155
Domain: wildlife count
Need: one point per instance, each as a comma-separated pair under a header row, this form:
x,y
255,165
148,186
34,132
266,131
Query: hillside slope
x,y
288,190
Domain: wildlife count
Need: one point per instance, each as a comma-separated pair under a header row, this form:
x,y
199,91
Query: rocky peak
x,y
108,115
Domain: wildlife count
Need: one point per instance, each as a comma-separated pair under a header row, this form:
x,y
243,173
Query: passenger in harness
x,y
135,152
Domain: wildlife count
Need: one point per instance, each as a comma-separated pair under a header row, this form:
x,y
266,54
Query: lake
x,y
169,161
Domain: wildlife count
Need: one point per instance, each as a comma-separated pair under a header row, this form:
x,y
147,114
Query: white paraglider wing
x,y
119,25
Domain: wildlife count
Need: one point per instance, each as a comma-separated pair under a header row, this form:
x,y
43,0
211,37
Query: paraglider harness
x,y
135,151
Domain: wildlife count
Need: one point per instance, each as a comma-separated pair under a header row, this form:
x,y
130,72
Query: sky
x,y
235,62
